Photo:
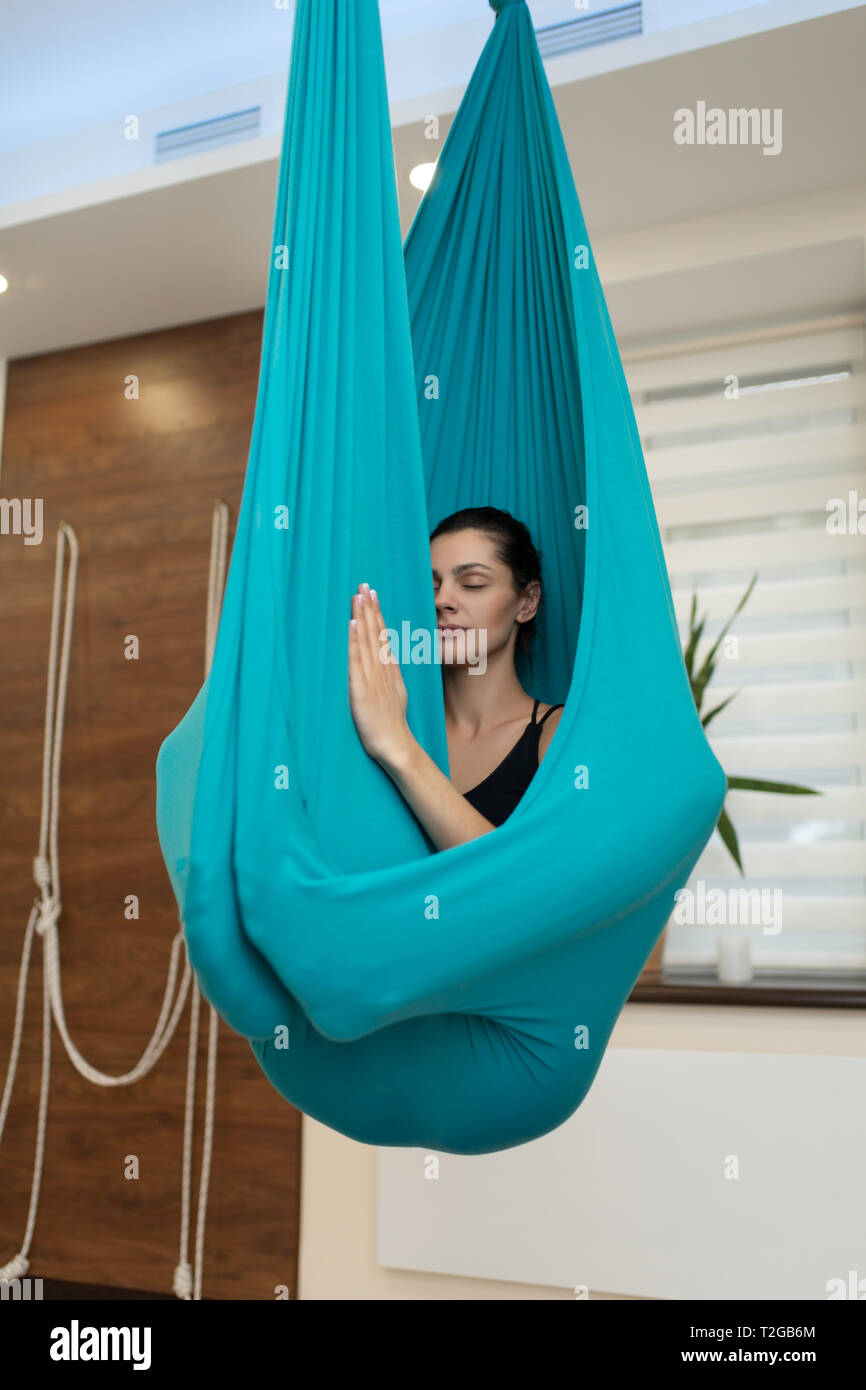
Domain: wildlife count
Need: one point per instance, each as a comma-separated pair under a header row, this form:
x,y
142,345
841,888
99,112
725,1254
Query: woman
x,y
487,583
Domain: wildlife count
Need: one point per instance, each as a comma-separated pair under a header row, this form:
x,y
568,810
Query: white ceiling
x,y
194,248
66,65
154,52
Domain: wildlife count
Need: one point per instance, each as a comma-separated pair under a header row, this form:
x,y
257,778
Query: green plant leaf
x,y
729,835
755,784
707,717
691,648
688,653
706,671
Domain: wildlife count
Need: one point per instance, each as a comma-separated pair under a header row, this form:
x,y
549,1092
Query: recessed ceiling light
x,y
4,284
421,175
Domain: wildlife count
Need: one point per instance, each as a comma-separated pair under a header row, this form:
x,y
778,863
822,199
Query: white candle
x,y
733,960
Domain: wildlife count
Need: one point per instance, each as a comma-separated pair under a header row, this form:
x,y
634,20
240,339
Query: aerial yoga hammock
x,y
461,1000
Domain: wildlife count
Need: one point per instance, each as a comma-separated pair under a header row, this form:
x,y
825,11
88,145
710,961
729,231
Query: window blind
x,y
746,443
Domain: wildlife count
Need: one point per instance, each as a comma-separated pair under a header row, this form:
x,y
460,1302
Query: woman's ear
x,y
531,600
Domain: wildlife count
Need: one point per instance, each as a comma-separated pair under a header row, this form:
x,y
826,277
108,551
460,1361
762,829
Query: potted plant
x,y
699,680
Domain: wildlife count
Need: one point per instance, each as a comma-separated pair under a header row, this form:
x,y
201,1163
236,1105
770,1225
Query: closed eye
x,y
467,586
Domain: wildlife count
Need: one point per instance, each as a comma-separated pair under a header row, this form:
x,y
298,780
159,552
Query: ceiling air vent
x,y
208,135
586,31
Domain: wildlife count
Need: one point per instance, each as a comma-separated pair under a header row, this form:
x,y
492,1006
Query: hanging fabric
x,y
461,1000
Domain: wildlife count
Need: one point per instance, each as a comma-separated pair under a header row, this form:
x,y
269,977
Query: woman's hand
x,y
377,693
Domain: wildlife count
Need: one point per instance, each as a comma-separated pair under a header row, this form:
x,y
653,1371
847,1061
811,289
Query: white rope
x,y
18,1266
45,916
183,1284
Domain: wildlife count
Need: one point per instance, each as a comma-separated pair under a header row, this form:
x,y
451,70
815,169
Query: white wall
x,y
338,1192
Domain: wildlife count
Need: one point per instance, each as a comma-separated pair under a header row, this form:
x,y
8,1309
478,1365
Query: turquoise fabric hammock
x,y
460,1001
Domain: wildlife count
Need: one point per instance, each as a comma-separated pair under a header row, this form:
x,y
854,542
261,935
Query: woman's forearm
x,y
445,814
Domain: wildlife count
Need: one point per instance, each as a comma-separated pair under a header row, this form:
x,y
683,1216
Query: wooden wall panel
x,y
137,479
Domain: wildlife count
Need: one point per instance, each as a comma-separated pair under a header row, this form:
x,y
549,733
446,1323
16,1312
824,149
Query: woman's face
x,y
474,590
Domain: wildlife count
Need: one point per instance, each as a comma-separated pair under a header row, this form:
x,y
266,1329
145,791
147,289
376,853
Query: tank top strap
x,y
546,714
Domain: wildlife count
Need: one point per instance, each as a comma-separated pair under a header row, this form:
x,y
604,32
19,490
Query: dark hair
x,y
514,548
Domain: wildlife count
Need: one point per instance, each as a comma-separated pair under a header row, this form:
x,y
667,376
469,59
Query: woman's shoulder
x,y
548,728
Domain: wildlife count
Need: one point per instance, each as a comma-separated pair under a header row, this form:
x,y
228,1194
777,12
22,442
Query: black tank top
x,y
497,796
